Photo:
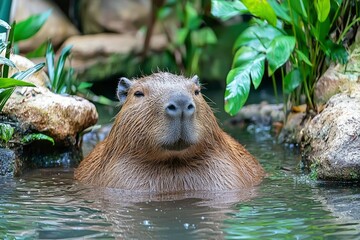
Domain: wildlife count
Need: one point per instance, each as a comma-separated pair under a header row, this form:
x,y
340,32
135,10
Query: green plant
x,y
60,79
289,32
6,132
7,84
191,35
27,139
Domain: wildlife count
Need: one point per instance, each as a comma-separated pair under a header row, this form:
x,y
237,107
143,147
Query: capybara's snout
x,y
180,106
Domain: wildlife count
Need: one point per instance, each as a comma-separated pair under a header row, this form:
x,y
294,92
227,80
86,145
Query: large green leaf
x,y
250,62
322,9
301,7
257,37
11,82
50,62
30,26
237,90
24,74
227,9
261,9
292,80
279,52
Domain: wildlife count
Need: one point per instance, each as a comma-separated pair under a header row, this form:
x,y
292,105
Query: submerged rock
x,y
7,162
331,142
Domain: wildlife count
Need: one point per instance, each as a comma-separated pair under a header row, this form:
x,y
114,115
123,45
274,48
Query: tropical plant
x,y
291,33
191,34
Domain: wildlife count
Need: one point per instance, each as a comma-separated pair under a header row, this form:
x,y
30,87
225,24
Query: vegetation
x,y
295,39
191,35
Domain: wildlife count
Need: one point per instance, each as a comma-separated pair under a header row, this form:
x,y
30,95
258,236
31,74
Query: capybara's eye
x,y
138,94
197,92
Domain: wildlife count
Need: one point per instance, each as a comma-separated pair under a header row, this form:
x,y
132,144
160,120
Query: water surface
x,y
49,204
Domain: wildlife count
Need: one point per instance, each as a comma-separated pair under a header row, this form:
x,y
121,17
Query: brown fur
x,y
132,156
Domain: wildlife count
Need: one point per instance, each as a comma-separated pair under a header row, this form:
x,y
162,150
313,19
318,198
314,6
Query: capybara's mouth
x,y
177,146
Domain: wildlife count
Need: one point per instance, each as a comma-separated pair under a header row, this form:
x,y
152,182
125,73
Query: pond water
x,y
48,204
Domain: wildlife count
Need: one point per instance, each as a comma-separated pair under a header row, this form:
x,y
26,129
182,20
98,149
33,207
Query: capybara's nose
x,y
180,106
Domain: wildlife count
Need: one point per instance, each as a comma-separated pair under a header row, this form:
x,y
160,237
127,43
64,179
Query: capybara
x,y
165,139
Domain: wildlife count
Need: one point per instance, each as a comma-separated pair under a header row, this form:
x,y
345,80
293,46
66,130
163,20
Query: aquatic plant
x,y
295,39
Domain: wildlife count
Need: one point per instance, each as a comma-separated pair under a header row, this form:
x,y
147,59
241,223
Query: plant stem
x,y
275,89
8,49
347,29
283,92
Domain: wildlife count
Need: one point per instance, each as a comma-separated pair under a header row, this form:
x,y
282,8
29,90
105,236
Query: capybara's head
x,y
162,115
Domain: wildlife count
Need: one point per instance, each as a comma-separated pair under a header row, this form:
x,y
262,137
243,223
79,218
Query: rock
x,y
98,52
59,116
260,114
119,16
7,162
331,139
57,27
291,131
338,77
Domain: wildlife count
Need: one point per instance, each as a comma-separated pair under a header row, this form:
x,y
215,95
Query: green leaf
x,y
24,74
322,9
227,9
303,57
281,10
237,90
257,37
181,35
292,80
203,37
192,19
261,9
6,132
4,97
30,26
300,7
279,52
250,62
84,85
336,52
50,62
2,46
36,137
11,82
65,52
6,61
39,51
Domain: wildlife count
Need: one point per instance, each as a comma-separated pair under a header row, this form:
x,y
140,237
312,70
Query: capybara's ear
x,y
122,89
196,80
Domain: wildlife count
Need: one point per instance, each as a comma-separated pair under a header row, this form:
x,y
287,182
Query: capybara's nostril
x,y
172,110
180,106
189,110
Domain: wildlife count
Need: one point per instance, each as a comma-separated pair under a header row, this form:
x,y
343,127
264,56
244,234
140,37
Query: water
x,y
48,204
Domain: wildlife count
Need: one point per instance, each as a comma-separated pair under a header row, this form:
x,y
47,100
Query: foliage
x,y
191,35
59,78
36,137
290,32
30,26
6,132
7,84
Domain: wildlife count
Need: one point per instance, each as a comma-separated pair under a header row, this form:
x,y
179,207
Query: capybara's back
x,y
166,138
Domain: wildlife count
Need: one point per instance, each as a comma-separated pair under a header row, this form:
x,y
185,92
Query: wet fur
x,y
132,158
